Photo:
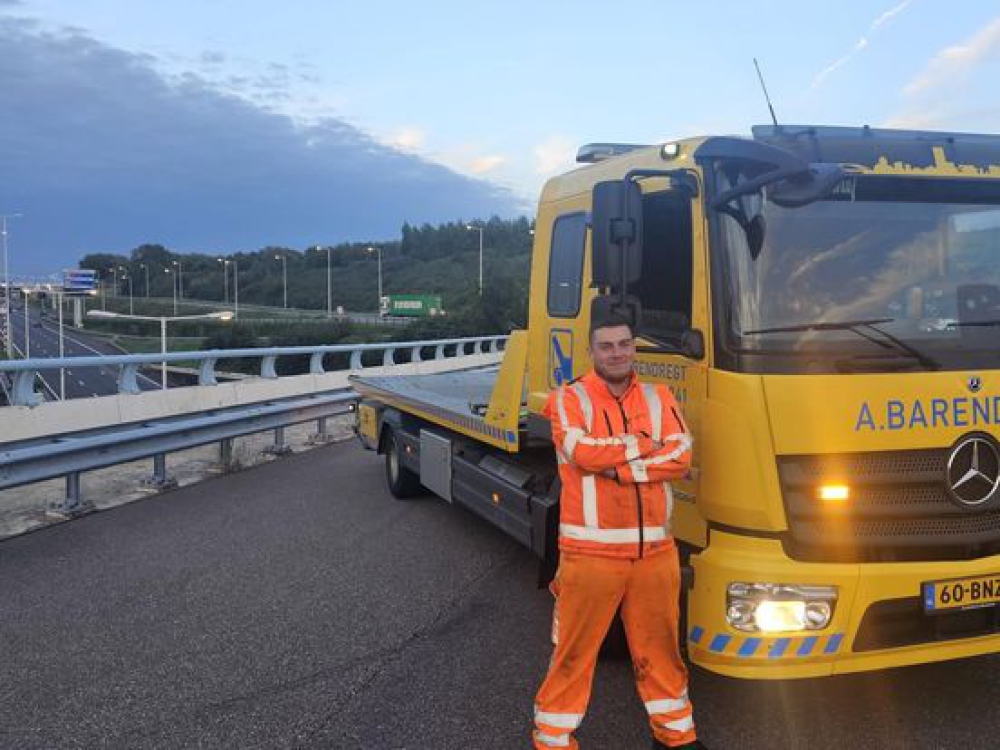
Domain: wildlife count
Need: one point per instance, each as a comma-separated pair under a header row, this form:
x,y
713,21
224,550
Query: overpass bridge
x,y
298,605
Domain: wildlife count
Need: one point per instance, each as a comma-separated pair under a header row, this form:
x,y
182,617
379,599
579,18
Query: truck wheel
x,y
403,482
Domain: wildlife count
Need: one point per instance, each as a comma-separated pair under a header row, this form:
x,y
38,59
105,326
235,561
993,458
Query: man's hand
x,y
610,474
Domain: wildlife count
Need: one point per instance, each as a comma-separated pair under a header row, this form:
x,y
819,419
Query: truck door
x,y
673,304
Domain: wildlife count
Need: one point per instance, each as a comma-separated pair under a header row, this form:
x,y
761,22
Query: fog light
x,y
779,608
780,616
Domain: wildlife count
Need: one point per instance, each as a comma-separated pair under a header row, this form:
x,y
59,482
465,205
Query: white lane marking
x,y
103,370
45,383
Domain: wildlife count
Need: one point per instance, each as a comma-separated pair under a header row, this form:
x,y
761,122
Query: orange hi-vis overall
x,y
616,457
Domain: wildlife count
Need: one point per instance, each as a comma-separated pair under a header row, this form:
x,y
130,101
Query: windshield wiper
x,y
961,323
888,341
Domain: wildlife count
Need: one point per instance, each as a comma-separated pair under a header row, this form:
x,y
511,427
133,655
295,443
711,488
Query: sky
x,y
218,125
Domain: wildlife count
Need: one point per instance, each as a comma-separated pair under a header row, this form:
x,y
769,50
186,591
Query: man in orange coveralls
x,y
618,443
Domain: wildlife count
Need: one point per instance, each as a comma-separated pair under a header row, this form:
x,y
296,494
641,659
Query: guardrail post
x,y
439,351
72,503
23,391
356,363
226,463
280,447
321,435
415,354
478,347
160,479
267,367
127,381
316,363
388,357
206,372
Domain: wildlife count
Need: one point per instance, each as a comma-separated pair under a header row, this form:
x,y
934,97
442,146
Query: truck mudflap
x,y
878,619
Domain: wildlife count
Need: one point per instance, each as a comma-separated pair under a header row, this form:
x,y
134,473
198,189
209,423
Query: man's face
x,y
613,352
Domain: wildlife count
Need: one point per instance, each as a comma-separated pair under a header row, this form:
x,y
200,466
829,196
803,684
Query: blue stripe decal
x,y
511,437
834,643
778,648
808,644
749,646
719,643
696,634
929,596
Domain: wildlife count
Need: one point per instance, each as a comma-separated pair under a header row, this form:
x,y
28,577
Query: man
x,y
618,443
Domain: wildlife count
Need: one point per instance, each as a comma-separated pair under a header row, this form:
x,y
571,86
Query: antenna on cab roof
x,y
766,97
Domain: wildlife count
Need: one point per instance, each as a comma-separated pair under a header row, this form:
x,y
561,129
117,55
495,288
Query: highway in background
x,y
83,382
298,605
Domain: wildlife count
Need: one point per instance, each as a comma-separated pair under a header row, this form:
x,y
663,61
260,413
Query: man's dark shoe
x,y
696,745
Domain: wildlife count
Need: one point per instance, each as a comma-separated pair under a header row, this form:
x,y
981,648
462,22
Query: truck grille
x,y
899,509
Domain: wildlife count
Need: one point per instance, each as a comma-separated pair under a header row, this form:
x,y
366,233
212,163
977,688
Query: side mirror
x,y
693,344
616,233
817,182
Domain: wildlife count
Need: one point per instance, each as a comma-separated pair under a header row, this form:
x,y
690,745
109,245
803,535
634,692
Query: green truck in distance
x,y
411,305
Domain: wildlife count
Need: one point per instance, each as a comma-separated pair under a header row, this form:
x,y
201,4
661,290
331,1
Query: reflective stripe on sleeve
x,y
683,446
667,705
681,725
561,405
668,491
573,435
589,486
552,740
586,405
559,721
612,536
631,447
655,409
638,471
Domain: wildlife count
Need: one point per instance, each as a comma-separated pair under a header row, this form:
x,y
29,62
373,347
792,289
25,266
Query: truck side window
x,y
566,265
664,290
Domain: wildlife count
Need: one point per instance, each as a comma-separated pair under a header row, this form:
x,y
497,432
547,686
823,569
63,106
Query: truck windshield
x,y
885,274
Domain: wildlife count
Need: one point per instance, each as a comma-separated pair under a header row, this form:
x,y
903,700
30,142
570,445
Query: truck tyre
x,y
403,483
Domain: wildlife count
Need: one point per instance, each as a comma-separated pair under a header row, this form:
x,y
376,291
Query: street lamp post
x,y
6,283
378,250
225,278
163,319
128,275
180,280
27,322
145,268
329,284
284,274
173,280
236,289
470,227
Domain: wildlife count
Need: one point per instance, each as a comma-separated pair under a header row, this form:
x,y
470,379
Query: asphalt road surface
x,y
297,605
43,341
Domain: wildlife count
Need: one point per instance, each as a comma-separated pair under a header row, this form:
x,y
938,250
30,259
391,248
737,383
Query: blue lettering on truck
x,y
902,414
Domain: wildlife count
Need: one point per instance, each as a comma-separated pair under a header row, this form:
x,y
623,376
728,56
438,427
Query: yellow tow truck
x,y
825,304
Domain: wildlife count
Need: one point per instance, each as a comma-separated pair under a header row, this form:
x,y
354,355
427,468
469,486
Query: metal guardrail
x,y
70,454
25,371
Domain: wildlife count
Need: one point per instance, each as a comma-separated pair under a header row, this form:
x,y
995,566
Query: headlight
x,y
779,608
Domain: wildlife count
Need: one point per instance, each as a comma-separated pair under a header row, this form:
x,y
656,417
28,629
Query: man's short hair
x,y
609,320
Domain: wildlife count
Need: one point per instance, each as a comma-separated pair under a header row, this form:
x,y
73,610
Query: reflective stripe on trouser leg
x,y
589,591
650,613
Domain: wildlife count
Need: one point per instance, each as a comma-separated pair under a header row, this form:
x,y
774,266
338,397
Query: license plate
x,y
963,593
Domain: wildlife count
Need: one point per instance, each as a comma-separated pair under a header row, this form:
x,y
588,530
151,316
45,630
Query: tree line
x,y
441,259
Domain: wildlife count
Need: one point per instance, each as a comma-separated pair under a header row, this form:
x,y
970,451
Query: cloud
x,y
860,45
407,138
890,14
106,153
554,154
485,164
958,60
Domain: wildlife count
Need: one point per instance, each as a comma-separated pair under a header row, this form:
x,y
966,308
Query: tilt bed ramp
x,y
465,437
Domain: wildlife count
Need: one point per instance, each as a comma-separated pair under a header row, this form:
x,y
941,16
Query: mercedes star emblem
x,y
974,470
975,383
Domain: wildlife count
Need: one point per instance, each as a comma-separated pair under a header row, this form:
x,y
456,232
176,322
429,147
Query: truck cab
x,y
825,305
